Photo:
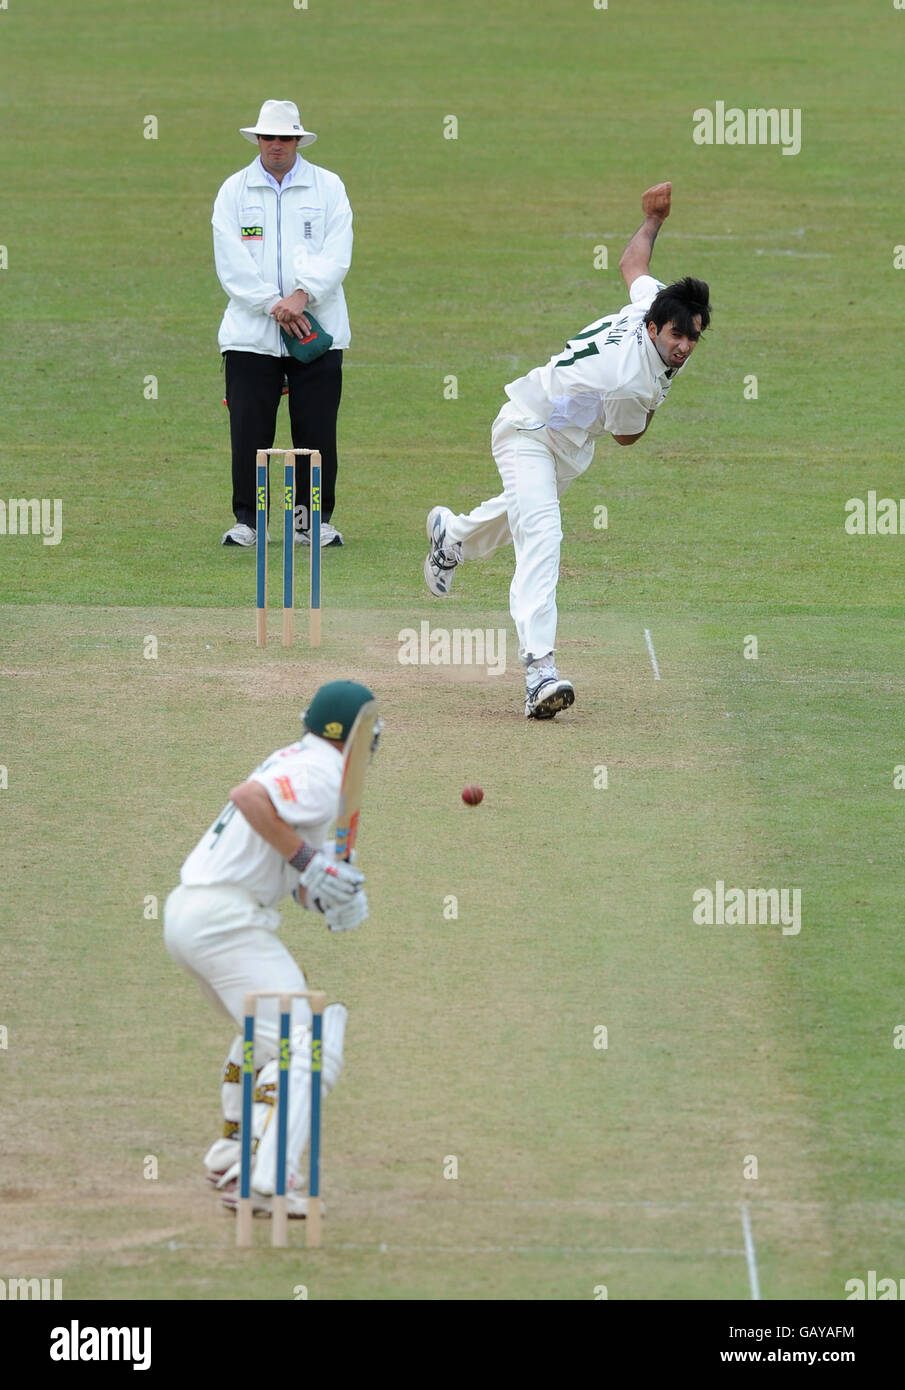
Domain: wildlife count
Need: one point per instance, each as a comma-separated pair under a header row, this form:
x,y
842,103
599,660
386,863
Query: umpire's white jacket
x,y
267,244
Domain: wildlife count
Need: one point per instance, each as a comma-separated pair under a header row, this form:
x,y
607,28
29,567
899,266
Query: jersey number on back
x,y
217,829
604,325
571,354
229,810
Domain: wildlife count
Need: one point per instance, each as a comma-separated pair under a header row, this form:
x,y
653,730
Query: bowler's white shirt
x,y
607,378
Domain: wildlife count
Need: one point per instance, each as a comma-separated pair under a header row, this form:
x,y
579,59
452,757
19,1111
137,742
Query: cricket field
x,y
562,1081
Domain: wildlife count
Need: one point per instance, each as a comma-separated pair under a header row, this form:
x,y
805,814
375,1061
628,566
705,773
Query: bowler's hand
x,y
655,202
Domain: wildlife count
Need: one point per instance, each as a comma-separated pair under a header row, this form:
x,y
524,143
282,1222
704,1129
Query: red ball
x,y
472,796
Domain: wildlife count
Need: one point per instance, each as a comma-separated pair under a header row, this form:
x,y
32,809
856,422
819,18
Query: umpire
x,y
282,245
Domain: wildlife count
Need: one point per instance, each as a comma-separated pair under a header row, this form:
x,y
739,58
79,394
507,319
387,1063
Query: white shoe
x,y
545,693
441,560
262,1204
329,536
240,534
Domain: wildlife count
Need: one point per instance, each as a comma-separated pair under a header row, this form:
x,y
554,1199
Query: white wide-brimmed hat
x,y
279,118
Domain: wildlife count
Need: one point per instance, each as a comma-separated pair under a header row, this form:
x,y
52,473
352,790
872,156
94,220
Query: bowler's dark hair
x,y
679,302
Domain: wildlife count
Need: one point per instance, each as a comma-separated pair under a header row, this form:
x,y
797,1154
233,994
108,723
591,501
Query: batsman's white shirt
x,y
607,378
303,782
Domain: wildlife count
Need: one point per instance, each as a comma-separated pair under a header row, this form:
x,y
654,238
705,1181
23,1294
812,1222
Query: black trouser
x,y
254,384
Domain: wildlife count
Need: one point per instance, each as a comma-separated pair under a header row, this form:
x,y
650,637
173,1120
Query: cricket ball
x,y
472,796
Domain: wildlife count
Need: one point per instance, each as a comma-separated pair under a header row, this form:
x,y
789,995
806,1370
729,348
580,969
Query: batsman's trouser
x,y
536,466
228,943
254,385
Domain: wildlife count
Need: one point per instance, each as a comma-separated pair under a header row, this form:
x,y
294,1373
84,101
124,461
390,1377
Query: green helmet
x,y
333,710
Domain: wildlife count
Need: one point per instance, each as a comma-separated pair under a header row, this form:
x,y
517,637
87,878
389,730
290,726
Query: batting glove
x,y
350,915
330,884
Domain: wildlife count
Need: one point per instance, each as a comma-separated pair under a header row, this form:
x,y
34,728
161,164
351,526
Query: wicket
x,y
314,532
279,1235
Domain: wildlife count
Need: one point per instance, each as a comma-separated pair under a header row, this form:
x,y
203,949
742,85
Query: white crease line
x,y
559,1203
799,255
653,657
675,236
384,1248
896,1205
750,1256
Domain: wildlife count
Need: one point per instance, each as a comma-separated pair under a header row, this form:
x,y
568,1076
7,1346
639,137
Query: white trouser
x,y
536,467
228,943
298,1127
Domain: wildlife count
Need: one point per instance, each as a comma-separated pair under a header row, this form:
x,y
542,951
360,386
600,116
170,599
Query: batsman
x,y
275,838
610,378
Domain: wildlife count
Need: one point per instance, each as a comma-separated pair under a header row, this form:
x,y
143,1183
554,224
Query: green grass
x,y
471,1037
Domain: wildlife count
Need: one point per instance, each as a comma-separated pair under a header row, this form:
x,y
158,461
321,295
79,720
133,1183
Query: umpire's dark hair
x,y
679,302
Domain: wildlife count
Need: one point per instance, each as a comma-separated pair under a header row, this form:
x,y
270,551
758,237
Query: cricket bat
x,y
355,762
